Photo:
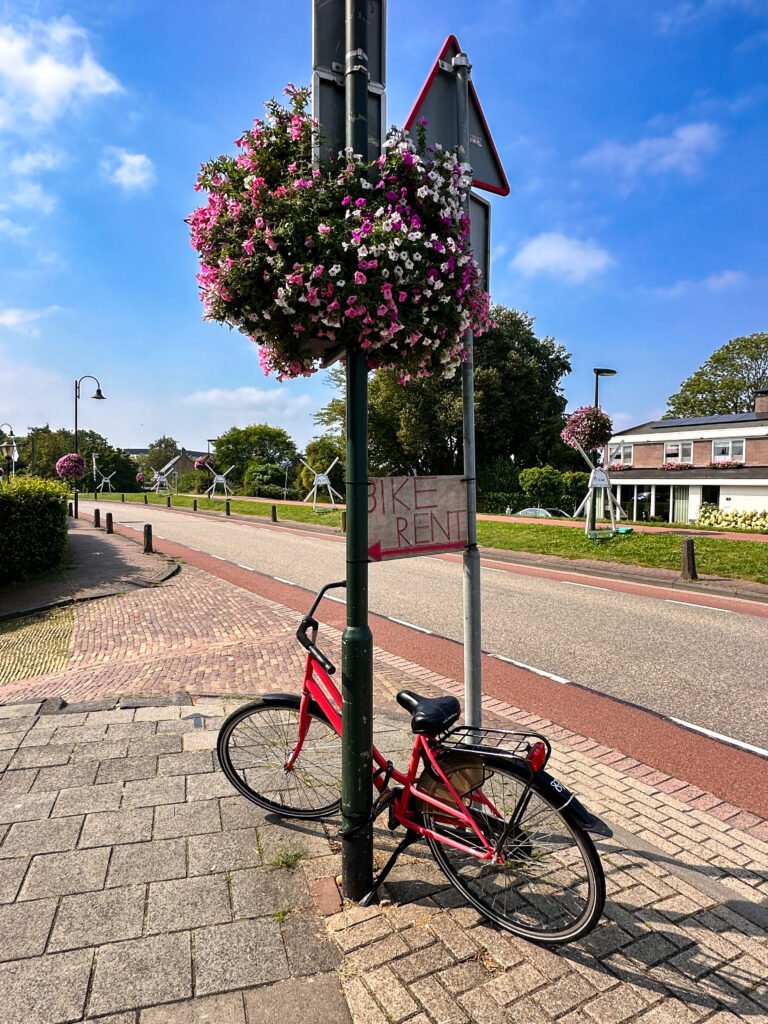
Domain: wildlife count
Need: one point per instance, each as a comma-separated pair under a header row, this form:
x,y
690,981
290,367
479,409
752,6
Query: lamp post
x,y
99,396
599,371
8,447
286,464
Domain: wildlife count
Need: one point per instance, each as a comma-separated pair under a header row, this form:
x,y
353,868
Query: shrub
x,y
275,491
496,503
193,482
733,519
34,535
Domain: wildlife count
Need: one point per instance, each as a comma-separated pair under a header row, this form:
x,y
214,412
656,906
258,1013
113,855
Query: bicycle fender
x,y
294,698
571,805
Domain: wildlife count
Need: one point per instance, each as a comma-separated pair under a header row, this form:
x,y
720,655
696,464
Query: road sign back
x,y
437,103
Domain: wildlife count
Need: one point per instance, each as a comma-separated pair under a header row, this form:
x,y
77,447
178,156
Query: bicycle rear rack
x,y
505,742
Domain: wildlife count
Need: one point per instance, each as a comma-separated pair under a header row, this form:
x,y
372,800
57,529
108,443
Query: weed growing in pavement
x,y
287,859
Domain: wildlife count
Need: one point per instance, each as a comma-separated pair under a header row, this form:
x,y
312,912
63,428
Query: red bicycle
x,y
511,838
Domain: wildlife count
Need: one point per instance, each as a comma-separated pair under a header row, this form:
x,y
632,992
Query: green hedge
x,y
33,527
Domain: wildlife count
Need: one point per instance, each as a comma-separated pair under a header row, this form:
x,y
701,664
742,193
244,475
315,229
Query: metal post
x,y
168,501
273,514
148,539
77,395
97,518
591,524
473,687
226,507
194,504
109,526
357,640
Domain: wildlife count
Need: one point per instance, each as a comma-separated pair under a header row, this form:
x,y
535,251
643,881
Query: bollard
x,y
122,498
70,510
194,504
273,514
226,507
110,528
343,521
146,499
148,539
688,570
95,496
76,506
97,518
168,501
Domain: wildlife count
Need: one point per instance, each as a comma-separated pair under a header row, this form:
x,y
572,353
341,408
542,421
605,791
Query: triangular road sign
x,y
437,103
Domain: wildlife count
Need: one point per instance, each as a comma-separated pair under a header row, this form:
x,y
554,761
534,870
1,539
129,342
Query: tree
x,y
727,382
519,407
320,453
159,454
42,447
249,448
541,485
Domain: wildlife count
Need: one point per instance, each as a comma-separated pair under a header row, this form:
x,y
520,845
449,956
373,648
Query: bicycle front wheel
x,y
550,887
255,744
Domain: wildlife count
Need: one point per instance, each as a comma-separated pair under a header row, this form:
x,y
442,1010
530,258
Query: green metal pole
x,y
357,641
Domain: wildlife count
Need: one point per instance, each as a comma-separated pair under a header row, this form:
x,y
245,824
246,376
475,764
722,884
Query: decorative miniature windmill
x,y
219,478
105,482
161,481
589,428
322,480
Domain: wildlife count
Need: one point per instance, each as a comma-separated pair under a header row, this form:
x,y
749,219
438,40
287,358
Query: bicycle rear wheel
x,y
551,887
255,744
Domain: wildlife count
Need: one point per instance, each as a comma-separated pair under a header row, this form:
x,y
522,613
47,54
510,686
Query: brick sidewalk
x,y
135,884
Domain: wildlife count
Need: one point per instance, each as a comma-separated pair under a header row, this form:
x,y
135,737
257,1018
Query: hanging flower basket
x,y
309,262
139,478
71,467
590,426
203,462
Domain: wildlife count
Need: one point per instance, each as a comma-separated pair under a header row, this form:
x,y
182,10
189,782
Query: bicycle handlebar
x,y
309,622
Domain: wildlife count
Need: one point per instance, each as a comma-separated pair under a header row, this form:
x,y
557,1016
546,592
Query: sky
x,y
633,135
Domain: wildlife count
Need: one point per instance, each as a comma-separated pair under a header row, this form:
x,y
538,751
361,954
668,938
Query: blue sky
x,y
633,136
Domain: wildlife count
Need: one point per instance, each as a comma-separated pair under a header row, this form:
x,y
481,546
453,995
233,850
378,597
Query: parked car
x,y
543,513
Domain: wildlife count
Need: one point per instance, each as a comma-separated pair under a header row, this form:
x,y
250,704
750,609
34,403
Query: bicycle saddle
x,y
429,715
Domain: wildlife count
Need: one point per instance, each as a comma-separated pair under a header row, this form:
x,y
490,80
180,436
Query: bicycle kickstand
x,y
408,839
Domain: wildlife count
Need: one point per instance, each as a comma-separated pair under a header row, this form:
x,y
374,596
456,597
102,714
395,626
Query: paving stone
x,y
231,956
200,739
391,995
25,807
157,861
80,734
650,950
115,1018
49,836
309,949
60,874
88,799
225,1009
127,769
159,714
17,783
458,940
174,820
142,972
111,827
16,724
187,903
464,976
24,928
208,786
131,730
417,965
237,812
96,918
564,994
11,874
100,751
42,756
39,737
110,717
166,744
317,1000
66,719
27,710
308,837
11,741
190,763
223,851
437,1002
370,956
615,1006
361,1003
45,990
258,892
65,776
151,792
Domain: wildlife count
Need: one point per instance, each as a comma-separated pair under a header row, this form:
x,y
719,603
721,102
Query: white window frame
x,y
730,457
620,453
680,457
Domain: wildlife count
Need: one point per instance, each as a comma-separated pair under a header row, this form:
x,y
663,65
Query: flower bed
x,y
307,262
671,467
726,464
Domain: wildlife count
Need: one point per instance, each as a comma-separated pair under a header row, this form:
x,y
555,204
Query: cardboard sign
x,y
416,515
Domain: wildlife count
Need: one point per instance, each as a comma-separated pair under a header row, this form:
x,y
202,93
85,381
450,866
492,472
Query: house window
x,y
678,451
620,453
729,450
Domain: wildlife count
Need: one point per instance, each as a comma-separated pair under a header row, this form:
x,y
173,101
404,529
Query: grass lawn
x,y
732,559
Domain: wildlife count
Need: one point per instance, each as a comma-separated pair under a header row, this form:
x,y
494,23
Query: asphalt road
x,y
705,666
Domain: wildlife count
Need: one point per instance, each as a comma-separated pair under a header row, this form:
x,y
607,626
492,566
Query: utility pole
x,y
357,640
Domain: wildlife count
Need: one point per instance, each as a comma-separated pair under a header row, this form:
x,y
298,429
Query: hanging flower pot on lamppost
x,y
71,467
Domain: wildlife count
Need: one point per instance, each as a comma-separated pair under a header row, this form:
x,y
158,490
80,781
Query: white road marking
x,y
693,604
338,600
529,668
588,586
248,567
410,625
720,736
289,583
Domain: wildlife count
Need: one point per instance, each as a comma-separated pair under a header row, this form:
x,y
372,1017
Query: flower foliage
x,y
672,466
619,467
71,466
726,464
139,478
751,519
307,262
203,462
590,426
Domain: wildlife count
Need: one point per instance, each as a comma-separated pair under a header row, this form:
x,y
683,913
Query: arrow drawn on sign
x,y
376,553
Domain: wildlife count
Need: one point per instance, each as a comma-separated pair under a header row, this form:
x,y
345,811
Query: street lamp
x,y
286,464
599,371
99,396
8,447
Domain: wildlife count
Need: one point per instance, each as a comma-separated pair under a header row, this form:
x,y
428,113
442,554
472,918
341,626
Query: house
x,y
666,469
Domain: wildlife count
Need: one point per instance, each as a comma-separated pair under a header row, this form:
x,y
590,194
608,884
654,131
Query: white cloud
x,y
722,281
44,68
131,171
34,161
569,259
12,230
32,196
680,152
24,320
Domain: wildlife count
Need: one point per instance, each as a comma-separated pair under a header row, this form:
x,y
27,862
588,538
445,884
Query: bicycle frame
x,y
319,687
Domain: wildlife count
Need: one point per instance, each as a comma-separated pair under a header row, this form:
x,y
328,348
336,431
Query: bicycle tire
x,y
551,888
254,744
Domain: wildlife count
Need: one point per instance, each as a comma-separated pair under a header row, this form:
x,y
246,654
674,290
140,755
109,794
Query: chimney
x,y
761,402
